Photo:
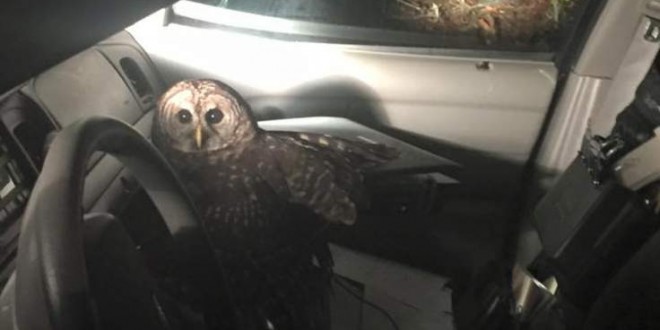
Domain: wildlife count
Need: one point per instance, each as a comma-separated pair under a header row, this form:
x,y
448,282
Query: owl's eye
x,y
213,116
184,116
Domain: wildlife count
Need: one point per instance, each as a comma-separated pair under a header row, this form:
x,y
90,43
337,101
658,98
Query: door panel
x,y
483,113
497,111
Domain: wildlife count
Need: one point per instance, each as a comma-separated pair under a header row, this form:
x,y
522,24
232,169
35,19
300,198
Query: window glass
x,y
493,24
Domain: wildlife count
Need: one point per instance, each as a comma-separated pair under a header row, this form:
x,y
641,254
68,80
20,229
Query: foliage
x,y
517,20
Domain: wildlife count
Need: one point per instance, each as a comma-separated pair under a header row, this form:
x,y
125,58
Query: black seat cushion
x,y
124,293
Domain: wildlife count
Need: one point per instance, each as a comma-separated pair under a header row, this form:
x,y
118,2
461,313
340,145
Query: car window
x,y
537,25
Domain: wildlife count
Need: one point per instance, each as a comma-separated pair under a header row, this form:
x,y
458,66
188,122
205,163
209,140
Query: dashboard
x,y
114,78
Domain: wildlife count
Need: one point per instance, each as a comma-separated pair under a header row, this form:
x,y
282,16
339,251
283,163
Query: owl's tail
x,y
360,153
364,153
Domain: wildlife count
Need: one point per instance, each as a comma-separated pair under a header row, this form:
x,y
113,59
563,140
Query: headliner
x,y
38,34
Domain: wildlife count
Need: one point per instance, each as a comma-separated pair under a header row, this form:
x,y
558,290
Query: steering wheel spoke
x,y
52,290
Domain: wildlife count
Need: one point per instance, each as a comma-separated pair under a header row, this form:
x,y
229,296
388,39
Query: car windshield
x,y
512,24
328,164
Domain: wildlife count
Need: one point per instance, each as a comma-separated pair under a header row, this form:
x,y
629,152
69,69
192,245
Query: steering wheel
x,y
52,289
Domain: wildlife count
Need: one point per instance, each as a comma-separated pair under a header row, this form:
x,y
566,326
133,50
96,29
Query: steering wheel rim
x,y
51,280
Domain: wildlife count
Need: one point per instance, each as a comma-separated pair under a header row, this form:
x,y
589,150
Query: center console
x,y
114,78
23,130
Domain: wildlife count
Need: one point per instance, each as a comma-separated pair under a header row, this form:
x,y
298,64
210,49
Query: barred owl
x,y
263,198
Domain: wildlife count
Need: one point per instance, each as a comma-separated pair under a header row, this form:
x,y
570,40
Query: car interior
x,y
525,195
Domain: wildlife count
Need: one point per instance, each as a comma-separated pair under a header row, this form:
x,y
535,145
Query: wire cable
x,y
368,303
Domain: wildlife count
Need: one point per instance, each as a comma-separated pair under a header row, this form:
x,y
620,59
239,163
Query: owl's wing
x,y
359,154
349,158
322,172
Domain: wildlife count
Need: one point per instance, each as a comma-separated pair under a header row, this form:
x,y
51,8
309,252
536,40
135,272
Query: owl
x,y
264,198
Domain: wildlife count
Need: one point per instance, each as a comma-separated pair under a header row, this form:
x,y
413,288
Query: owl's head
x,y
203,115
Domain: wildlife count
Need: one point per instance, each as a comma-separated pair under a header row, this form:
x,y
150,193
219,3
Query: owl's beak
x,y
198,137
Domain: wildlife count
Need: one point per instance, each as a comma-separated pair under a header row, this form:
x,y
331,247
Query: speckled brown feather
x,y
261,193
321,172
